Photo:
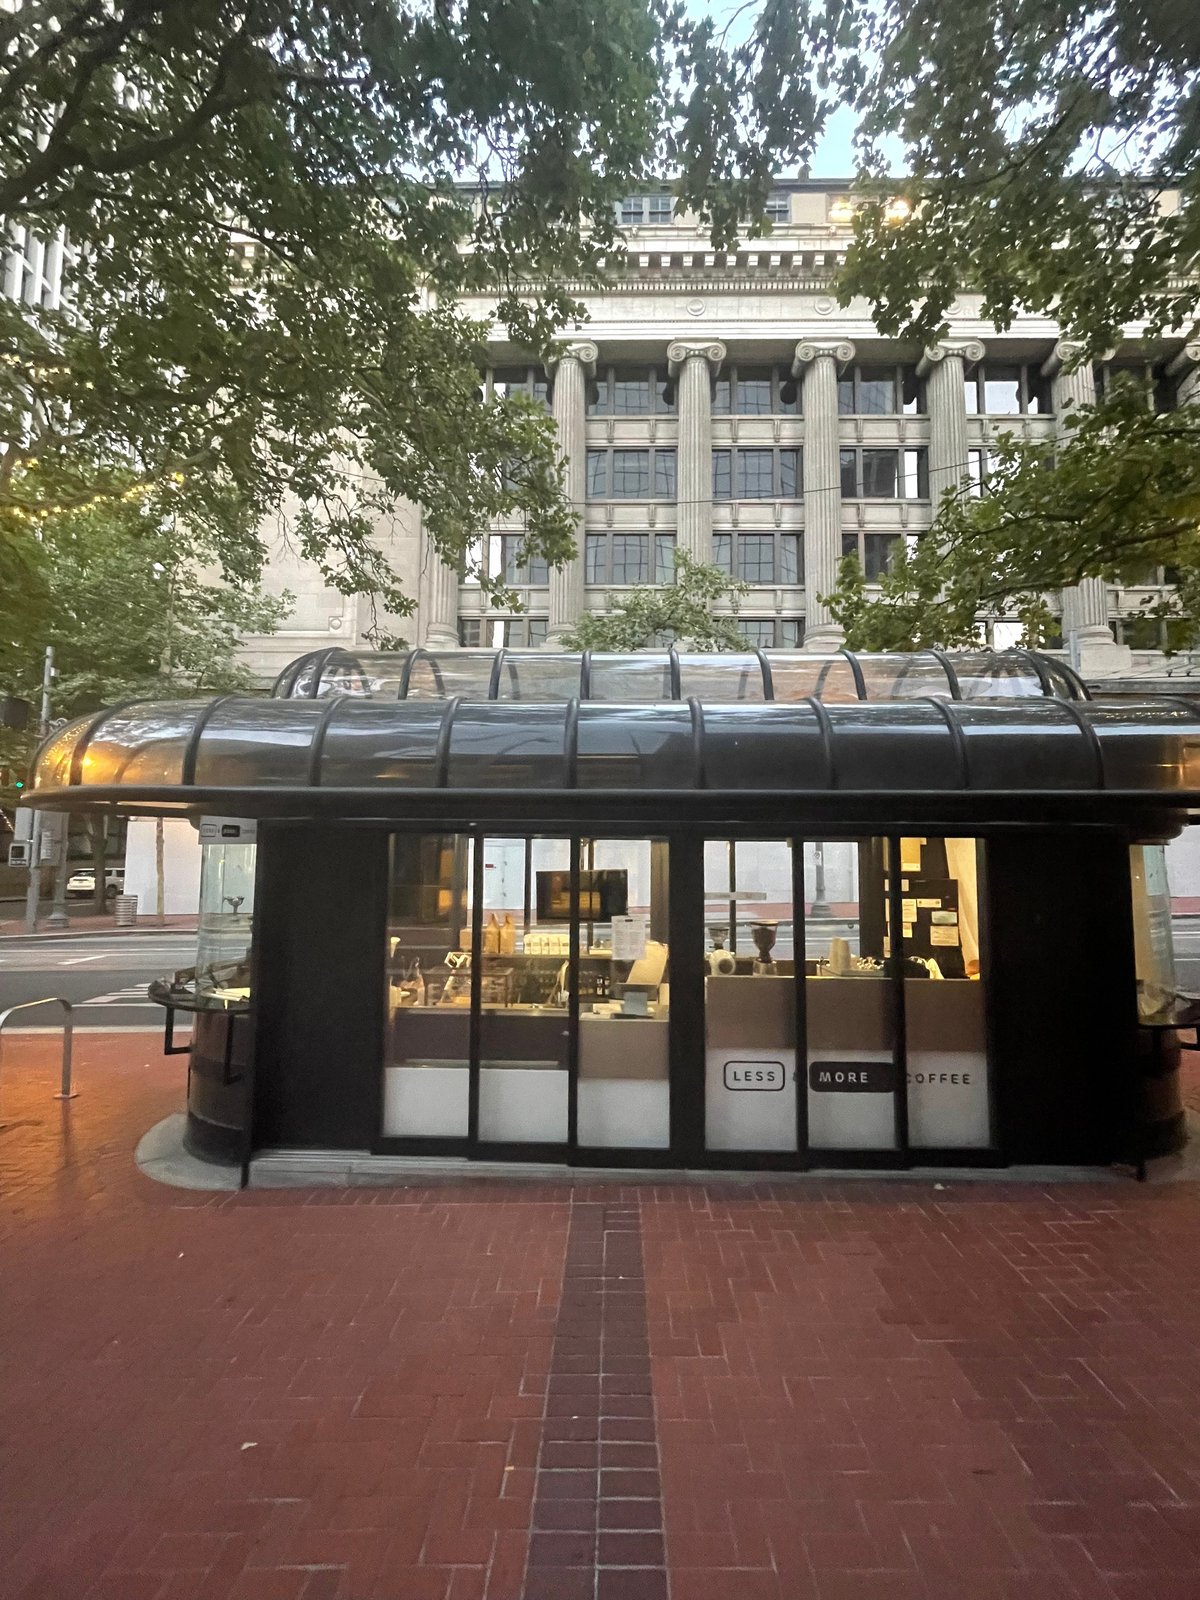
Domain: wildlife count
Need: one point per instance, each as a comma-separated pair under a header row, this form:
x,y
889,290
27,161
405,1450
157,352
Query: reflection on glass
x,y
945,1018
428,977
848,998
624,1092
749,996
525,935
1153,939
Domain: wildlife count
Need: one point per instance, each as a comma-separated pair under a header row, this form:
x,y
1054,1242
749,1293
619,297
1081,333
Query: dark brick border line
x,y
597,1505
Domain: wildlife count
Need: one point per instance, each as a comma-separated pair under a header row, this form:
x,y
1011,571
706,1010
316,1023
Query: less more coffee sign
x,y
850,1100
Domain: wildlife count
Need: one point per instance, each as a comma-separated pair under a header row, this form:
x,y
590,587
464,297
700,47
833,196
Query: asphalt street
x,y
104,975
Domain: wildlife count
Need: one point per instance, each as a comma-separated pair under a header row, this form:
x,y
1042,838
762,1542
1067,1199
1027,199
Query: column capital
x,y
680,351
581,350
968,351
1066,356
808,351
1189,356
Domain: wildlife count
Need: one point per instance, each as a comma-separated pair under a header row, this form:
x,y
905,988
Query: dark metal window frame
x,y
901,373
659,389
532,379
534,630
735,565
899,451
776,452
601,539
651,452
687,1022
854,542
725,390
1030,385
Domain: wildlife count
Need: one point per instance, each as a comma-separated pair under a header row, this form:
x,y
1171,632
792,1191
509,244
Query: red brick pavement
x,y
861,1390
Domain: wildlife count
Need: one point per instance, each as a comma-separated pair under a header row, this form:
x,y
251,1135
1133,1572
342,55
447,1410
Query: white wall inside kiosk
x,y
181,866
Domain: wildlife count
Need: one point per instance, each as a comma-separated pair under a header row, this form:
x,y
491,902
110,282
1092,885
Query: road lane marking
x,y
77,961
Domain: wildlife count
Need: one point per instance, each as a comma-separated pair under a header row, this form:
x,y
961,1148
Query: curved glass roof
x,y
757,676
243,755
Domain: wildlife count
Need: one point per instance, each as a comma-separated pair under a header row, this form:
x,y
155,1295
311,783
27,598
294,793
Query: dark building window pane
x,y
631,211
971,394
847,460
846,395
723,551
849,542
660,207
757,631
630,558
876,391
470,632
791,633
879,550
722,478
912,392
754,395
664,558
756,557
661,387
541,390
789,474
879,473
631,397
976,473
789,393
595,566
721,393
664,474
791,558
1041,402
538,570
755,475
597,474
538,629
1002,390
597,396
779,208
630,474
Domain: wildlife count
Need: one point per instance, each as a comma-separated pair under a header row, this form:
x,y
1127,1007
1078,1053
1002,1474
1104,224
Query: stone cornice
x,y
680,351
810,350
969,351
1067,354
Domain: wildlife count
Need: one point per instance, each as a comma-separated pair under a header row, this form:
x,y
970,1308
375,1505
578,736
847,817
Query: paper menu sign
x,y
628,938
943,935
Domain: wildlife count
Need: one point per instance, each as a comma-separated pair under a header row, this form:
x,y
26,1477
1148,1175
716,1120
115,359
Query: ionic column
x,y
1086,632
692,367
817,362
574,364
944,368
441,598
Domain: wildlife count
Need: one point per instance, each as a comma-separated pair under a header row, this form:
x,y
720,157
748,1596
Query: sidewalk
x,y
849,1390
93,922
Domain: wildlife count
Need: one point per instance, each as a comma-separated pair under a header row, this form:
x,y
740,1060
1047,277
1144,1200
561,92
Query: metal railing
x,y
65,1091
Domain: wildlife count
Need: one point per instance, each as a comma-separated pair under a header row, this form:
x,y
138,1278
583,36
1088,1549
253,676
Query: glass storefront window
x,y
851,1074
945,1018
428,976
1153,942
524,986
624,1091
749,996
226,920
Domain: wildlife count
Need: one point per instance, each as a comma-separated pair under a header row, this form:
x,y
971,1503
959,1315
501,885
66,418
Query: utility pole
x,y
35,869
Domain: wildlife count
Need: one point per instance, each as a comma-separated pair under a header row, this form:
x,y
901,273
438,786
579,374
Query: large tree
x,y
683,612
273,210
1047,153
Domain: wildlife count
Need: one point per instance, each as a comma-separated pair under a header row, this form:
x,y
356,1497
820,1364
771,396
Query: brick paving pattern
x,y
861,1390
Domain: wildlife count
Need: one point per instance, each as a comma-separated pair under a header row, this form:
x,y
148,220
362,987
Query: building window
x,y
1003,389
531,381
1160,393
624,558
884,474
779,207
640,210
977,473
760,557
512,633
631,392
756,392
631,474
756,474
503,561
758,632
874,551
880,391
790,632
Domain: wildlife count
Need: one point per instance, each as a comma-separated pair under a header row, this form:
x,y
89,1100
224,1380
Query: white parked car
x,y
81,885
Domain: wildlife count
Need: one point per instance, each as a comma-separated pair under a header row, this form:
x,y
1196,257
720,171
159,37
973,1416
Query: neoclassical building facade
x,y
724,404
